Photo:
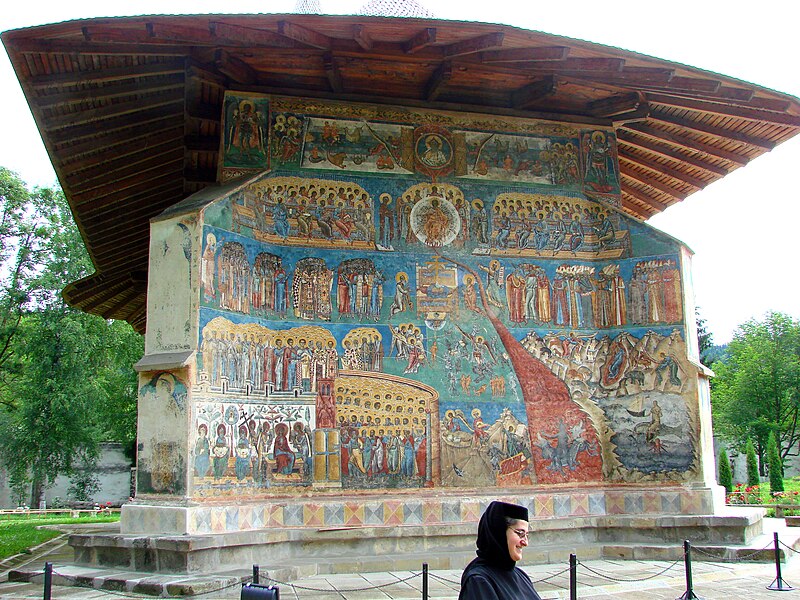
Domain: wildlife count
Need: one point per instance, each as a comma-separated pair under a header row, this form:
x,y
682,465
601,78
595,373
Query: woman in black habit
x,y
502,535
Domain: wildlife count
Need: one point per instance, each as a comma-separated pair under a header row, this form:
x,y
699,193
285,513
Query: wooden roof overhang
x,y
129,108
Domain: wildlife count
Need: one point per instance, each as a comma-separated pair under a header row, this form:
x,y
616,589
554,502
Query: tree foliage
x,y
752,464
725,475
775,465
757,386
66,377
705,339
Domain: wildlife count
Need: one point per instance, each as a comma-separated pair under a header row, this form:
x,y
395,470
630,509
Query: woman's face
x,y
517,540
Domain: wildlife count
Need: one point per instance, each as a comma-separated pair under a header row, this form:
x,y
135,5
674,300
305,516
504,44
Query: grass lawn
x,y
19,532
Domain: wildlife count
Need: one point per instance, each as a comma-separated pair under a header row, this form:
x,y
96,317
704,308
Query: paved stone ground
x,y
597,579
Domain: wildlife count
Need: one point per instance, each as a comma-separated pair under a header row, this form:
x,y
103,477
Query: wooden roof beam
x,y
651,182
626,78
684,141
662,169
234,68
603,65
134,178
716,108
98,76
626,138
94,202
135,137
126,166
177,33
718,132
530,94
114,124
657,205
142,206
438,81
362,37
616,105
77,46
108,92
473,45
332,73
99,116
514,55
227,34
198,143
307,37
420,40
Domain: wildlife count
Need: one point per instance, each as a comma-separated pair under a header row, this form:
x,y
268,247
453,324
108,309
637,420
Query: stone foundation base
x,y
300,551
422,508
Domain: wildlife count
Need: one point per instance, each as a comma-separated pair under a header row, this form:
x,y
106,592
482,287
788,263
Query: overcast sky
x,y
742,228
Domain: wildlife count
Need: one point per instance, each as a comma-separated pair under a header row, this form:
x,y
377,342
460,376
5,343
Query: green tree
x,y
705,339
67,381
725,476
775,465
752,464
757,385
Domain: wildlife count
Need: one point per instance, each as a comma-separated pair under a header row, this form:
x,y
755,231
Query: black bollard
x,y
573,577
779,585
48,580
255,574
687,563
424,581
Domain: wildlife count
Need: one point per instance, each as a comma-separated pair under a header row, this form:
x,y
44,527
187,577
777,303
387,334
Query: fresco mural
x,y
411,300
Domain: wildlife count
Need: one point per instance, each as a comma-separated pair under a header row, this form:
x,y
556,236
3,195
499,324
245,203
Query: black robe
x,y
494,575
482,581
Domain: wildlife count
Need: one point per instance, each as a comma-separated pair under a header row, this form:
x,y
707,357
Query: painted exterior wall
x,y
404,299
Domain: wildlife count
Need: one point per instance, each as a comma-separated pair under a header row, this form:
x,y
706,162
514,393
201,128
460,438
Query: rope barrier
x,y
335,589
790,548
722,559
620,580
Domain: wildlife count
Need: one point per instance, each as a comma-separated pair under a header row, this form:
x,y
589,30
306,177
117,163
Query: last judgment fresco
x,y
404,300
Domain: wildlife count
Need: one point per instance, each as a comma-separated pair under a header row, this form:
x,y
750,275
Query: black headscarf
x,y
492,540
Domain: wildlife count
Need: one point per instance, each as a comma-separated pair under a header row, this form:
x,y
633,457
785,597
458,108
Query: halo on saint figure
x,y
435,221
401,276
211,240
247,103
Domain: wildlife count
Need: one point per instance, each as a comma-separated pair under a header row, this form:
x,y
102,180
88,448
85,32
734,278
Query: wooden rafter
x,y
476,44
722,133
226,33
515,55
98,76
662,169
651,182
684,141
532,93
305,36
235,68
362,37
645,198
332,73
615,105
438,80
718,108
420,40
626,138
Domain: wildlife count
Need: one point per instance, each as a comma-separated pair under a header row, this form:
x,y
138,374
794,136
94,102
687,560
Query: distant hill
x,y
713,354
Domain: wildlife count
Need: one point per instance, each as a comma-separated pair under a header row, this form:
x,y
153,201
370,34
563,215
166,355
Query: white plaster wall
x,y
172,286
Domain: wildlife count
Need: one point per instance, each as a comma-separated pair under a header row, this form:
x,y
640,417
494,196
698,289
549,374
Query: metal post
x,y
573,577
424,581
255,573
48,580
778,585
687,563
